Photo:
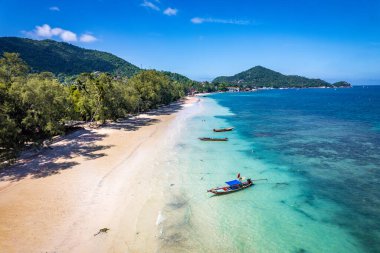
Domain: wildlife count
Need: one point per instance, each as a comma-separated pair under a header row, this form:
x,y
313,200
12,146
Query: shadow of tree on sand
x,y
166,109
47,162
131,124
134,123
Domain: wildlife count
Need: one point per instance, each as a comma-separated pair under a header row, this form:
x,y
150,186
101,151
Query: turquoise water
x,y
319,150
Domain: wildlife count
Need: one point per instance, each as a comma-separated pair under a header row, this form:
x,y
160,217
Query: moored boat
x,y
213,139
223,129
232,186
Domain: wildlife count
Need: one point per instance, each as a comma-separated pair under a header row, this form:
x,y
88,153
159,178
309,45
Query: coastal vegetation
x,y
260,77
37,106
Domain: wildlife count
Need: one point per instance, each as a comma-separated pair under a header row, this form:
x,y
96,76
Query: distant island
x,y
260,77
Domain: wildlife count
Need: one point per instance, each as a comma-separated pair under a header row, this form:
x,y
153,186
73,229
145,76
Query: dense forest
x,y
259,77
63,58
37,106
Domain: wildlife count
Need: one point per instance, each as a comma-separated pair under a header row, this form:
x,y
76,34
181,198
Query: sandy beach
x,y
58,199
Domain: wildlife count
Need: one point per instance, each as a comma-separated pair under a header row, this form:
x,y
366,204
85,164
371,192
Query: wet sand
x,y
56,200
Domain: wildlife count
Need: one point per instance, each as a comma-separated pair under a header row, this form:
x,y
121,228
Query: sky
x,y
202,39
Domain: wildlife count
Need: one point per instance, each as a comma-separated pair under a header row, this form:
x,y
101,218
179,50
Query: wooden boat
x,y
213,139
223,129
232,186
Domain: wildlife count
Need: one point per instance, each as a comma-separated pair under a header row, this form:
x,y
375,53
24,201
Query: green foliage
x,y
341,84
263,77
12,68
221,86
155,88
97,96
35,107
187,84
43,105
65,59
32,107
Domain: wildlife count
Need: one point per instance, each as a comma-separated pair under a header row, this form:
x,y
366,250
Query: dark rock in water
x,y
310,199
304,213
301,250
178,203
174,239
281,185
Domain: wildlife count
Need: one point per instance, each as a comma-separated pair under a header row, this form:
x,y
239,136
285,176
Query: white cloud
x,y
87,38
68,36
45,31
54,8
198,20
48,32
170,11
57,31
150,5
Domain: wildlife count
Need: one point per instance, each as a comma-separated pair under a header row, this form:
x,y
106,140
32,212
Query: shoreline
x,y
90,179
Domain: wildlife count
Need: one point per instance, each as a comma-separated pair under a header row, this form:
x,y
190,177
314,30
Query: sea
x,y
319,151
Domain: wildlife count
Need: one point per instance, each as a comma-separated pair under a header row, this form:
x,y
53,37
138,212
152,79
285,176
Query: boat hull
x,y
223,130
227,190
213,139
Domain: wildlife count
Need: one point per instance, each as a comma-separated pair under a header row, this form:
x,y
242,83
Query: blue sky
x,y
332,40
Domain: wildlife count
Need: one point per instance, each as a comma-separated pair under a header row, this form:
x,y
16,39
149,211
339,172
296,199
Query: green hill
x,y
178,77
64,58
262,77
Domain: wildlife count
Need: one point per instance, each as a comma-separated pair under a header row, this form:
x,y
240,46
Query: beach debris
x,y
171,184
102,230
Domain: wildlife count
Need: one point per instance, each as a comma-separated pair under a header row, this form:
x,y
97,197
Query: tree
x,y
44,106
154,89
12,67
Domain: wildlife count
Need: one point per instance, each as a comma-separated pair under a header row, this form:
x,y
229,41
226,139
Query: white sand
x,y
57,200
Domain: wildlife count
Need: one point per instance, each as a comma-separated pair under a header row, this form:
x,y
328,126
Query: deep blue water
x,y
329,139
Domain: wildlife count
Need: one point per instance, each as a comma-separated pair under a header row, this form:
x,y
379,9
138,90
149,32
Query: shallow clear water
x,y
319,150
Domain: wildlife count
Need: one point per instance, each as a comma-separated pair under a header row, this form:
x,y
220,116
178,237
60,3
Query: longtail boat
x,y
232,186
223,129
213,139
